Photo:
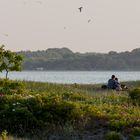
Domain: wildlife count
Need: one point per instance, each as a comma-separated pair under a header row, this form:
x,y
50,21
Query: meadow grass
x,y
35,109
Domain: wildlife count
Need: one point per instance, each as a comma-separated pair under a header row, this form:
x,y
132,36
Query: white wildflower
x,y
30,96
18,103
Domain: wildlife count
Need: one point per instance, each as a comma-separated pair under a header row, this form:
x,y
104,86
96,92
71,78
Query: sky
x,y
102,26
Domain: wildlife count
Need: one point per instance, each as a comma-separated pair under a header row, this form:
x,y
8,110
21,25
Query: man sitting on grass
x,y
112,83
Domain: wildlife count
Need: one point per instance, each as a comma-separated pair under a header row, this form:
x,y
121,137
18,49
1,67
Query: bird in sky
x,y
39,2
24,2
89,20
5,34
80,8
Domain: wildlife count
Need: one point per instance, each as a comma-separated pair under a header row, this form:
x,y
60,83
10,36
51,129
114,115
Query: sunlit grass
x,y
66,108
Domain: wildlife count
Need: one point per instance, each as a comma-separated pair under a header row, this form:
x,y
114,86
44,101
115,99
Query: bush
x,y
15,116
4,135
113,136
136,131
11,87
135,95
117,124
131,137
19,114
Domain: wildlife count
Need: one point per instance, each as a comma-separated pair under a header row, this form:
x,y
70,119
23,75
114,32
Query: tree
x,y
9,61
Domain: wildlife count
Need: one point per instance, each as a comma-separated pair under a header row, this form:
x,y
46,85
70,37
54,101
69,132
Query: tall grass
x,y
40,109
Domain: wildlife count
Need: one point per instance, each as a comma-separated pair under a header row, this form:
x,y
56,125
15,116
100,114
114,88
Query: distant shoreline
x,y
81,70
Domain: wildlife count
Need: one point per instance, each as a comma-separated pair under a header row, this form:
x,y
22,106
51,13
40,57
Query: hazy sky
x,y
42,24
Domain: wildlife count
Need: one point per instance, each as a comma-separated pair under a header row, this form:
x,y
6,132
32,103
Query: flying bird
x,y
24,2
89,20
5,34
39,2
80,8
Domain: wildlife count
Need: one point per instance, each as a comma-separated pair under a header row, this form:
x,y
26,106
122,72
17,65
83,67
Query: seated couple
x,y
113,83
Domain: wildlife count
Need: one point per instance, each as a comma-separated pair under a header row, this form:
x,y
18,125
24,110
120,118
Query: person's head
x,y
116,79
113,77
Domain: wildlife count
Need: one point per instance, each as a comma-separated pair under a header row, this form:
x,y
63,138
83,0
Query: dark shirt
x,y
117,84
111,84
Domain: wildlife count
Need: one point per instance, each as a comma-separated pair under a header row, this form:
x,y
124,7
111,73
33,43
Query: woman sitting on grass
x,y
117,85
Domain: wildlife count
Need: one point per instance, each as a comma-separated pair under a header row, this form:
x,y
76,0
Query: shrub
x,y
112,135
131,137
11,87
135,95
117,124
4,135
136,131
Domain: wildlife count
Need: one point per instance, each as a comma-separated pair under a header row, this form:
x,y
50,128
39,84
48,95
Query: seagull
x,y
80,8
24,2
89,20
39,2
5,34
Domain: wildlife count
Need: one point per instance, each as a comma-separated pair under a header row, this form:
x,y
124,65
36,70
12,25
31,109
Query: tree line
x,y
65,59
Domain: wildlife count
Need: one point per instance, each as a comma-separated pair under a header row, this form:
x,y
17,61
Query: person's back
x,y
117,84
111,82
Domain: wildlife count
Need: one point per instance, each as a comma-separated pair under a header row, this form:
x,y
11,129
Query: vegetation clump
x,y
4,135
135,95
33,108
11,87
112,135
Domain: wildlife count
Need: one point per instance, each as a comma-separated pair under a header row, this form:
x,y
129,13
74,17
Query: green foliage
x,y
118,124
112,135
135,95
9,61
11,87
57,59
4,135
136,131
49,107
131,137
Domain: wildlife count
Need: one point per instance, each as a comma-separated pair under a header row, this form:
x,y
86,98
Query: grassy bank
x,y
35,110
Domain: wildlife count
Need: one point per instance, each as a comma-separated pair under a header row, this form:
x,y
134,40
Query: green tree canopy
x,y
9,61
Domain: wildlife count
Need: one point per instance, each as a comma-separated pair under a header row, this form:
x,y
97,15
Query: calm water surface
x,y
84,77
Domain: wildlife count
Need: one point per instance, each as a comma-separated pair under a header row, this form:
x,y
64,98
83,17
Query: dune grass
x,y
36,110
